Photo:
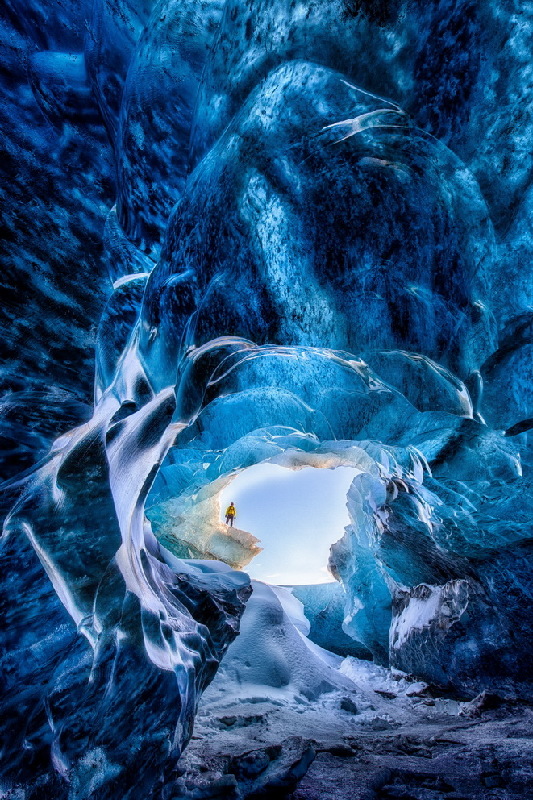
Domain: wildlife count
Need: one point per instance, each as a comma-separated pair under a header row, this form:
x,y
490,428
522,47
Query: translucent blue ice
x,y
288,233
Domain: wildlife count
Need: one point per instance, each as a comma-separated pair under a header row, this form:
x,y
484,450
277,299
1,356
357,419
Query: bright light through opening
x,y
297,515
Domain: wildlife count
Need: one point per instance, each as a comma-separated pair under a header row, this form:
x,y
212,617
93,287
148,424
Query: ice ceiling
x,y
315,253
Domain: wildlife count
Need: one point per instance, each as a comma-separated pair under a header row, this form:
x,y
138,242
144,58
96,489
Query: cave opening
x,y
297,514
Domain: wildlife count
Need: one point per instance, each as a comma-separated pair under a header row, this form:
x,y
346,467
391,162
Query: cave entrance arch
x,y
296,513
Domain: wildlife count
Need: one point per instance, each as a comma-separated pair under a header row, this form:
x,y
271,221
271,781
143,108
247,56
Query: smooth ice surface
x,y
296,515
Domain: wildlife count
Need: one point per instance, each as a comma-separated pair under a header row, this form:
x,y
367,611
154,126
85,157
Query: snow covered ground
x,y
285,718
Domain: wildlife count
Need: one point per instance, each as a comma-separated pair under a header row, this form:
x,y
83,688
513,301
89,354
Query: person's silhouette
x,y
230,514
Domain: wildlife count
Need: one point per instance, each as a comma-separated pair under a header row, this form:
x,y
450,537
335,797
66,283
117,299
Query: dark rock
x,y
386,693
483,702
347,704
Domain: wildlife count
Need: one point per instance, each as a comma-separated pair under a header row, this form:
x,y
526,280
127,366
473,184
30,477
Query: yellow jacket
x,y
230,511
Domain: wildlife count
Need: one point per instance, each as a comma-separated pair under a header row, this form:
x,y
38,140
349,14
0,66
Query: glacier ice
x,y
119,625
288,233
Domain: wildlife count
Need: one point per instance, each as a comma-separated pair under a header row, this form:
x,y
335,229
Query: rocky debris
x,y
278,768
382,750
262,772
240,720
472,762
347,704
486,701
386,693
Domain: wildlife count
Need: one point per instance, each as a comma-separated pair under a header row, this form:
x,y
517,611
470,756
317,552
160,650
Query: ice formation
x,y
300,229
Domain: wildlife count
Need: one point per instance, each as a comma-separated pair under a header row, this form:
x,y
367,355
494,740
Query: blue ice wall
x,y
236,233
57,183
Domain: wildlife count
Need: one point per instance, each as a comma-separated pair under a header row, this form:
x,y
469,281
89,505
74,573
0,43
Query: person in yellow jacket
x,y
230,514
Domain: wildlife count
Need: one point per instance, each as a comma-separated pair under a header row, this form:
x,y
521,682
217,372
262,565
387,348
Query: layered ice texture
x,y
318,257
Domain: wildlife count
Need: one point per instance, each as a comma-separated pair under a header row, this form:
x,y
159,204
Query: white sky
x,y
297,514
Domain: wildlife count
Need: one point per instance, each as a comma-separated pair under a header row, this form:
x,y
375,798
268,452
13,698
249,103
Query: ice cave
x,y
278,253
